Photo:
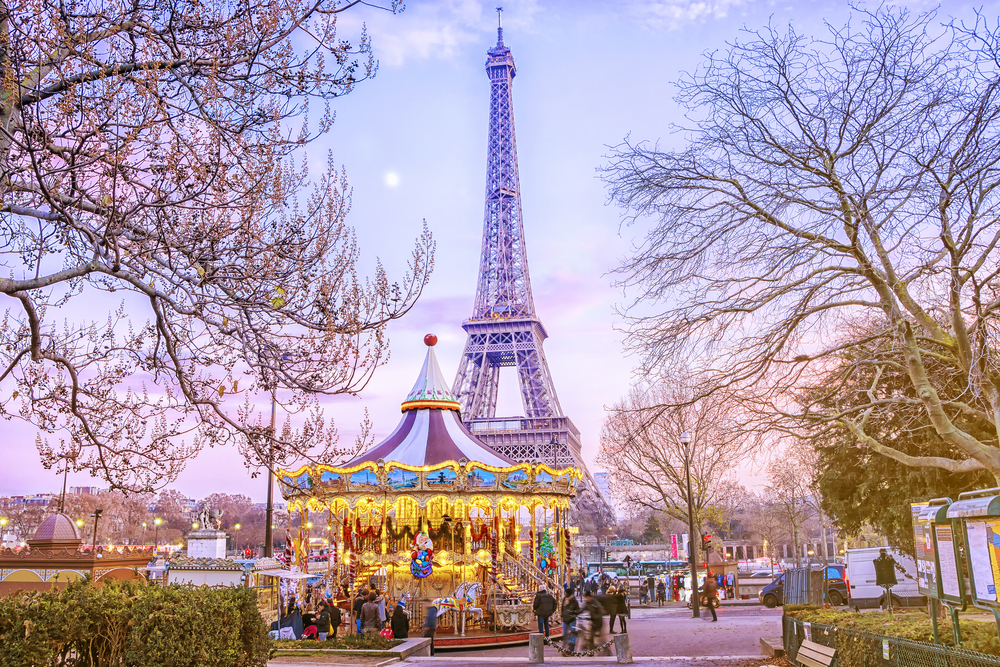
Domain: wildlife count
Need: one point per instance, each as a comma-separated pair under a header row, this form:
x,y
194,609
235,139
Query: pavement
x,y
659,637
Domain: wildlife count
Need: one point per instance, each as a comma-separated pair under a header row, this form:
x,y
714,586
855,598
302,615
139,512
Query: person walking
x,y
359,602
593,622
371,622
569,611
610,603
400,623
711,589
430,624
661,592
544,605
643,593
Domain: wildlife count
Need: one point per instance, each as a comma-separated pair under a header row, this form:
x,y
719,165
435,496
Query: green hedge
x,y
914,624
126,623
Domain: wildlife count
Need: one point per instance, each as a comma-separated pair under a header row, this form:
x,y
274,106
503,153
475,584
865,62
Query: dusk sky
x,y
413,142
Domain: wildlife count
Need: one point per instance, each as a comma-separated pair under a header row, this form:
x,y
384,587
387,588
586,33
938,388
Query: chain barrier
x,y
579,654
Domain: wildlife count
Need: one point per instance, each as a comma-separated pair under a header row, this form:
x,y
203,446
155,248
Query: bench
x,y
811,654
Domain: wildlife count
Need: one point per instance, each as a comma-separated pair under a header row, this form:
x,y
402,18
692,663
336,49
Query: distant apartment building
x,y
89,490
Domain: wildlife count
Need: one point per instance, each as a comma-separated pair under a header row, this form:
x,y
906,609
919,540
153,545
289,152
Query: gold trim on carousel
x,y
431,404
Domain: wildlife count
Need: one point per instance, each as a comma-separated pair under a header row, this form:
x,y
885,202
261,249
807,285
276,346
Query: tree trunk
x,y
795,545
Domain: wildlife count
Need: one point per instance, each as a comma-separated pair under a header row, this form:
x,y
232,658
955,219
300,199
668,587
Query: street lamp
x,y
695,608
97,515
237,526
3,525
156,534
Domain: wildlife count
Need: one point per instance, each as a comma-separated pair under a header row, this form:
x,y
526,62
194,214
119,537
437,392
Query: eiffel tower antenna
x,y
504,330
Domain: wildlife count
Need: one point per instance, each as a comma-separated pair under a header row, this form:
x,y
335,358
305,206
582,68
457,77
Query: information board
x,y
924,542
983,545
946,558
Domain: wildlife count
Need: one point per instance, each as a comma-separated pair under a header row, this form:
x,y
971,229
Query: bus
x,y
639,570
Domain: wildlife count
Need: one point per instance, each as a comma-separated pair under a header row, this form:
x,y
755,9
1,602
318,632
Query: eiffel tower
x,y
504,330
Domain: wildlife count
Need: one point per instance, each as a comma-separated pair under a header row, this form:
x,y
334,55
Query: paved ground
x,y
660,637
672,632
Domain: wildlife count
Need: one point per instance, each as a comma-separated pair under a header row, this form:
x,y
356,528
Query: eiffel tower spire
x,y
504,330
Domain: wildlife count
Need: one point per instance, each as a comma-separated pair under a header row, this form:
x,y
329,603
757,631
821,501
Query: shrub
x,y
126,623
915,625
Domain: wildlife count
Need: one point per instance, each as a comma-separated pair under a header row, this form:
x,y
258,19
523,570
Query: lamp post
x,y
695,608
143,533
156,534
3,528
66,459
97,516
269,513
237,527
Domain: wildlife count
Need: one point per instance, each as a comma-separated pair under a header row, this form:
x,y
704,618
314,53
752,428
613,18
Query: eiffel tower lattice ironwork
x,y
504,330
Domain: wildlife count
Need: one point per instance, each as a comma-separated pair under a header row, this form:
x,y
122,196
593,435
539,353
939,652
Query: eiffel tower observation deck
x,y
504,330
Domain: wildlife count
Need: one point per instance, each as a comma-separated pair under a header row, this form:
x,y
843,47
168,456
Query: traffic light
x,y
706,542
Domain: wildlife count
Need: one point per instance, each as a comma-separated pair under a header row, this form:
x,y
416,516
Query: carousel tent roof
x,y
430,431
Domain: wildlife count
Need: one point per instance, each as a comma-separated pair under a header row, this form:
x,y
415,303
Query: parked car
x,y
861,574
772,595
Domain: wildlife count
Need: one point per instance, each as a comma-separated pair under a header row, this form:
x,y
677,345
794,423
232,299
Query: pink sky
x,y
413,141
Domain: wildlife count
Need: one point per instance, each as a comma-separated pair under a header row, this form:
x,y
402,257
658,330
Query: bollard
x,y
623,652
536,648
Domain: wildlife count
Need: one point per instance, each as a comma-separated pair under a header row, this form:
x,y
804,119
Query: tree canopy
x,y
824,182
165,242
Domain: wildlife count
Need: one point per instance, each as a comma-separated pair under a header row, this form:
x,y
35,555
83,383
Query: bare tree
x,y
788,497
831,190
642,450
164,244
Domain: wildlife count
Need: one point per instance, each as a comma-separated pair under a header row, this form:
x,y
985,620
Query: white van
x,y
861,579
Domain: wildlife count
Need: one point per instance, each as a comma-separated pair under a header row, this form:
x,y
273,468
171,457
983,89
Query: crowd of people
x,y
583,623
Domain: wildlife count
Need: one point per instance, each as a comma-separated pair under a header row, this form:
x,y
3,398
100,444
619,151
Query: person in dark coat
x,y
430,624
544,605
359,602
610,606
711,589
593,633
336,618
621,607
570,610
322,621
400,623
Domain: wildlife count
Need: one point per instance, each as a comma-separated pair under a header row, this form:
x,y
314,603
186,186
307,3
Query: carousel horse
x,y
461,602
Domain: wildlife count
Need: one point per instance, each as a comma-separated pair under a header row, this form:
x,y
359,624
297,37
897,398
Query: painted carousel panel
x,y
364,479
302,481
446,478
482,479
400,479
515,480
333,481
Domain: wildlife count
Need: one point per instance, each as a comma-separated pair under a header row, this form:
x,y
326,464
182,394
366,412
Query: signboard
x,y
981,506
950,586
982,539
673,546
924,542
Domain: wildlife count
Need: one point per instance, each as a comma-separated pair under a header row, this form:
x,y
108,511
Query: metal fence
x,y
871,650
803,585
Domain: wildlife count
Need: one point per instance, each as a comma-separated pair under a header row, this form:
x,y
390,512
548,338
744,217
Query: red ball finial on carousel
x,y
430,340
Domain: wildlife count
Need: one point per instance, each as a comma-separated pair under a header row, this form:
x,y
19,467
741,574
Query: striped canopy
x,y
431,431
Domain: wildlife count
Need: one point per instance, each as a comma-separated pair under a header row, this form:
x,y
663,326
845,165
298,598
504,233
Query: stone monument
x,y
207,541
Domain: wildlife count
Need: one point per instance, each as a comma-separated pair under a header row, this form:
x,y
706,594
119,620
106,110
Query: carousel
x,y
432,516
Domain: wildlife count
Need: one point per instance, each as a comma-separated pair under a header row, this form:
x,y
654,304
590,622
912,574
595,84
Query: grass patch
x,y
353,641
915,625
